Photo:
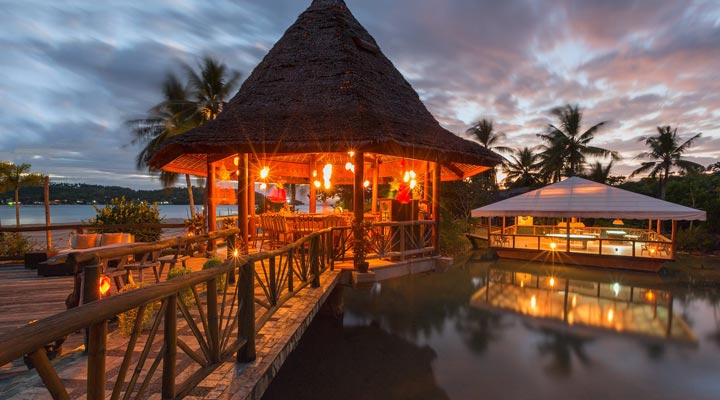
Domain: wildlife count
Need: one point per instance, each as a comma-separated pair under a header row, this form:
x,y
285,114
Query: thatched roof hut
x,y
325,88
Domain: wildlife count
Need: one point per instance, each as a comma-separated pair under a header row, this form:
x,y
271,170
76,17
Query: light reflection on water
x,y
488,348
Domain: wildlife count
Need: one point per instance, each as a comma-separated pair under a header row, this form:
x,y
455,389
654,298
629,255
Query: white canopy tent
x,y
577,197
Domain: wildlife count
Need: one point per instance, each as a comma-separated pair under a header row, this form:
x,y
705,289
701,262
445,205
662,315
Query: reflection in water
x,y
569,305
436,336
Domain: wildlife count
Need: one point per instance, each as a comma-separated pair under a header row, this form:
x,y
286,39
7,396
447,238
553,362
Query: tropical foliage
x,y
15,176
123,211
484,133
185,106
664,155
566,146
522,168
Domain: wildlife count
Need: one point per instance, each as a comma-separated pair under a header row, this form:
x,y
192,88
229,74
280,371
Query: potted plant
x,y
196,226
361,244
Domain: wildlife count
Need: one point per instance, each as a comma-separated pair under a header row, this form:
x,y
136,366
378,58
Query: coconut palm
x,y
600,173
483,132
521,168
212,86
184,107
567,146
14,176
666,154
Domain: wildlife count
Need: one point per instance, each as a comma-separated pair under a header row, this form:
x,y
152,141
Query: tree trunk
x,y
663,185
190,195
17,206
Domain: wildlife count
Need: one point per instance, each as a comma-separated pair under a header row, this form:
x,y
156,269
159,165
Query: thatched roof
x,y
325,87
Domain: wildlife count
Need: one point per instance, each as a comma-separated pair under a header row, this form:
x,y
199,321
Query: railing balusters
x,y
213,320
170,344
315,262
48,375
291,254
246,314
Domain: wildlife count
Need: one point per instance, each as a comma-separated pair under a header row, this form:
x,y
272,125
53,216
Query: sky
x,y
73,72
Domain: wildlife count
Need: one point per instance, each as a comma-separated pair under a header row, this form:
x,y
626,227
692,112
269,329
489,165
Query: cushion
x,y
128,238
112,238
85,241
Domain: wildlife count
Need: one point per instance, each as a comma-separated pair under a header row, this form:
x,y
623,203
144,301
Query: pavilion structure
x,y
324,107
562,222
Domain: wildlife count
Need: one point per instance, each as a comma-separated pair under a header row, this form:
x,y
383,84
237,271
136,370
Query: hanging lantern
x,y
317,183
263,186
264,172
236,161
366,184
327,174
104,285
277,194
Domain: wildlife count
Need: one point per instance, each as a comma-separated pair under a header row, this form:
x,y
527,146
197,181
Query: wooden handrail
x,y
28,338
67,227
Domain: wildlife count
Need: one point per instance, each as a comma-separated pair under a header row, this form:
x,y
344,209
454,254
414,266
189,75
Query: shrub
x,y
186,295
696,239
452,237
126,320
122,211
15,245
214,262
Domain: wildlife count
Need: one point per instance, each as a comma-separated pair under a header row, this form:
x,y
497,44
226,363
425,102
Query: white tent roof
x,y
577,197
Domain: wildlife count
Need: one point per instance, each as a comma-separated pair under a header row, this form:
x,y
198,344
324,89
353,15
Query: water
x,y
475,332
62,213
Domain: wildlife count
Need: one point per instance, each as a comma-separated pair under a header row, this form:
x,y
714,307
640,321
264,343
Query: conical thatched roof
x,y
324,87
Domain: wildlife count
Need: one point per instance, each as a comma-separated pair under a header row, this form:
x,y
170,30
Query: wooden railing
x,y
398,240
196,313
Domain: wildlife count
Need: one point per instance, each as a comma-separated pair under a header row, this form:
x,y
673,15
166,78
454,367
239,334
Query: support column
x,y
658,227
46,193
426,184
252,173
567,227
672,238
375,178
243,189
358,189
313,190
436,207
211,212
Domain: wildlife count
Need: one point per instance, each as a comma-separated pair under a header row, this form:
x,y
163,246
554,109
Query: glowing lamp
x,y
235,253
406,177
349,167
533,302
317,183
327,185
616,288
413,183
552,282
610,315
236,161
618,222
104,285
553,245
650,296
263,186
366,183
264,172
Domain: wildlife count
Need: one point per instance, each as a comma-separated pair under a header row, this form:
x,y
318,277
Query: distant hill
x,y
81,193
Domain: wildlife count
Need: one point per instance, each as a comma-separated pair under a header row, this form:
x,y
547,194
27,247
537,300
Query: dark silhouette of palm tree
x,y
665,154
483,132
600,173
184,107
567,146
521,168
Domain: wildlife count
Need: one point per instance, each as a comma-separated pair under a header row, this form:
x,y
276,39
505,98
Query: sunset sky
x,y
74,71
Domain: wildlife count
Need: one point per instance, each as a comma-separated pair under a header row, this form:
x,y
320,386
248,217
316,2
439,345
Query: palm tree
x,y
483,132
599,173
521,168
184,107
212,86
664,155
566,146
13,176
174,115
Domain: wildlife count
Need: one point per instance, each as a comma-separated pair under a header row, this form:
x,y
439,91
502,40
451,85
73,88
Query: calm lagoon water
x,y
512,330
34,214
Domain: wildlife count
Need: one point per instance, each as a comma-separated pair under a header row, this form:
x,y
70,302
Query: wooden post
x,y
246,315
213,321
48,233
272,282
358,197
49,376
375,179
313,190
231,246
170,342
650,224
291,287
95,337
503,225
315,260
426,184
243,189
658,227
436,207
567,227
211,212
672,239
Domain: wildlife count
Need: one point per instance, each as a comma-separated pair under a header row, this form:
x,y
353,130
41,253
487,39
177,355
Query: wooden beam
x,y
436,207
313,190
210,213
244,187
455,170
